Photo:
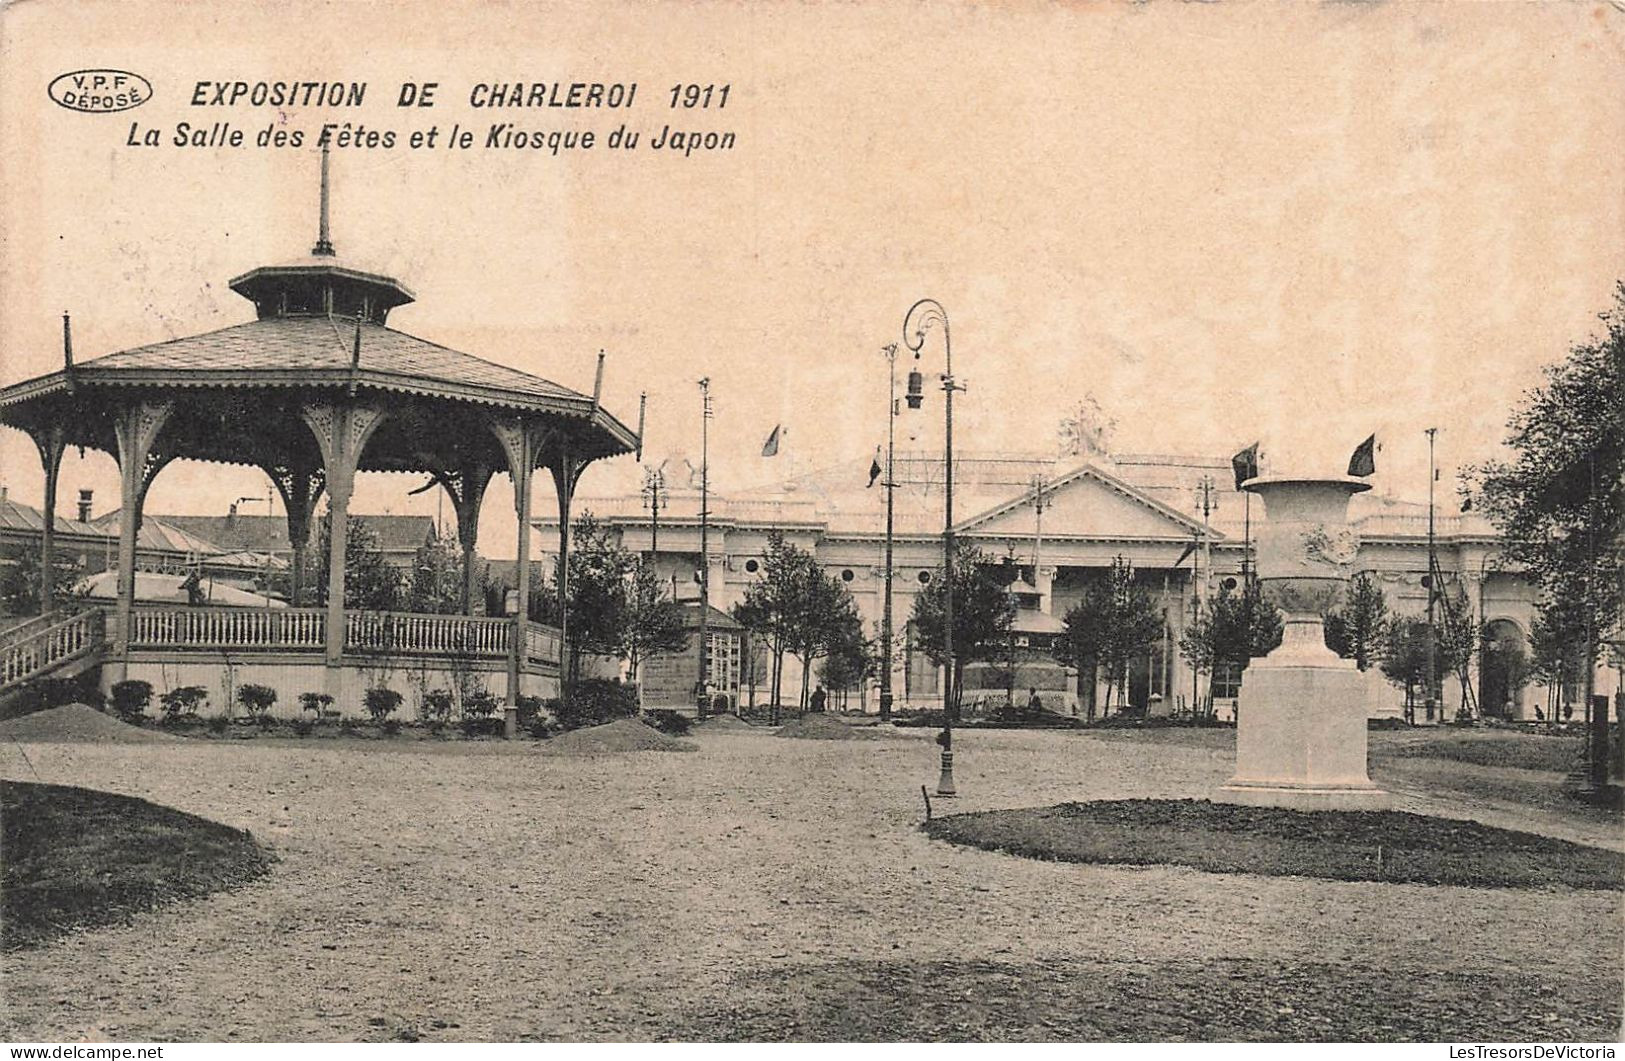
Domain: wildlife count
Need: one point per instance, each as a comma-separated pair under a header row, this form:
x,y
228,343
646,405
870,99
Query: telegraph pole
x,y
890,350
1205,499
654,489
1041,501
704,688
1433,592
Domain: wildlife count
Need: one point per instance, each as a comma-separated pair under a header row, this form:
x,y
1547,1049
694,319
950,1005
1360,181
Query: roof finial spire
x,y
324,246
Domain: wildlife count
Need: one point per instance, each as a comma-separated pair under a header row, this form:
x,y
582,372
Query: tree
x,y
371,583
654,621
1358,630
983,612
1559,503
599,571
1115,621
1556,652
1458,643
851,658
1405,662
1231,630
772,604
1507,670
437,578
822,614
20,581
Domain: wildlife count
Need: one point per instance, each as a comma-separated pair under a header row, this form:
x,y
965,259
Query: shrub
x,y
303,727
266,722
480,726
349,725
391,726
381,702
479,704
540,727
668,721
435,708
256,699
594,701
529,707
130,700
183,700
54,692
218,724
315,703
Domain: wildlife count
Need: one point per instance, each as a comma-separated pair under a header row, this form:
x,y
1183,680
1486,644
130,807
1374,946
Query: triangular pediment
x,y
1087,502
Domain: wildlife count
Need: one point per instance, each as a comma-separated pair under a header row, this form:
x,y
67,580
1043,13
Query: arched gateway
x,y
313,390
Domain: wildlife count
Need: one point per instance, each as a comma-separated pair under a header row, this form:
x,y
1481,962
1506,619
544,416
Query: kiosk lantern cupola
x,y
321,285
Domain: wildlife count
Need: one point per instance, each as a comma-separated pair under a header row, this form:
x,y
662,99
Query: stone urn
x,y
1301,714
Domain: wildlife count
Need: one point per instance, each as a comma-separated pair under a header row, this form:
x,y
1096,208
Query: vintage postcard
x,y
791,522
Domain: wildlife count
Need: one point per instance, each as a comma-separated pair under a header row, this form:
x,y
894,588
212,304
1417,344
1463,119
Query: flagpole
x,y
1247,539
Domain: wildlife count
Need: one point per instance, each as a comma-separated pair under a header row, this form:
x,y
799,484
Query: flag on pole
x,y
770,448
1364,460
874,468
1245,464
1189,549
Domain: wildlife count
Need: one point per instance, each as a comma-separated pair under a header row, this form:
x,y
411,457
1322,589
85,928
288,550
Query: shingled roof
x,y
298,351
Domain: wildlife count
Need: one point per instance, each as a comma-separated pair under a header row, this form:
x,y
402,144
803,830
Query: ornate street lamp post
x,y
921,316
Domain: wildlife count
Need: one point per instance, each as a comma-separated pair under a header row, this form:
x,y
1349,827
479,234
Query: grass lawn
x,y
1521,751
1338,845
77,858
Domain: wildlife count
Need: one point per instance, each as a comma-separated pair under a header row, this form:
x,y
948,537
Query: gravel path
x,y
505,894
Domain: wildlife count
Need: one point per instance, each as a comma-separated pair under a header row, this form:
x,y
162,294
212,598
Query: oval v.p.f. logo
x,y
100,91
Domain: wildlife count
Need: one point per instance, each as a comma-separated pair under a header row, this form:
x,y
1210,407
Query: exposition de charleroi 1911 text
x,y
484,96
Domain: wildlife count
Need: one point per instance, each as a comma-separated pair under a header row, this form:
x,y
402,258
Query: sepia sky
x,y
1299,222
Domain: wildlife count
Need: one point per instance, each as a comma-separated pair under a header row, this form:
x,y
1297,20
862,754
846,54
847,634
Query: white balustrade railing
x,y
542,643
244,629
365,632
435,635
49,646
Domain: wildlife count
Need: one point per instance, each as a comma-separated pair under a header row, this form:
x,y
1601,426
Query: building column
x,y
472,480
139,461
341,430
51,442
565,472
521,443
300,487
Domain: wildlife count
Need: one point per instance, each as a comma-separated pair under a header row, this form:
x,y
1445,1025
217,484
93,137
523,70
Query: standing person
x,y
818,698
1035,706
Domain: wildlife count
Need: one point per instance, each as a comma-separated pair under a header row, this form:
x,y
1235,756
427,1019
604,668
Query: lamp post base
x,y
945,783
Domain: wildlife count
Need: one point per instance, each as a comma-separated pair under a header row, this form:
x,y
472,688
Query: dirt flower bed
x,y
827,727
623,735
75,858
1389,846
77,723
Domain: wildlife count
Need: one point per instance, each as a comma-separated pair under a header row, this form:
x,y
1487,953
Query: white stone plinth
x,y
1301,717
1301,740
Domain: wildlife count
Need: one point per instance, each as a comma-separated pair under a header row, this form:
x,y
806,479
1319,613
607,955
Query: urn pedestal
x,y
1301,716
